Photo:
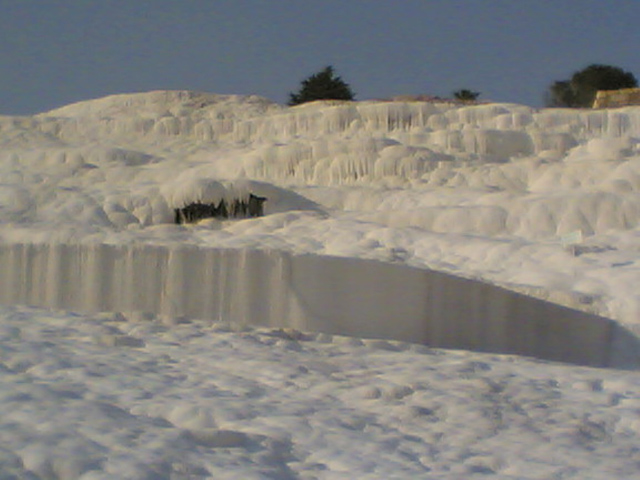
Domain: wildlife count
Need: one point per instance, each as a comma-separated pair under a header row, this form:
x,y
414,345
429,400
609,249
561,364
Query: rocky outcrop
x,y
617,98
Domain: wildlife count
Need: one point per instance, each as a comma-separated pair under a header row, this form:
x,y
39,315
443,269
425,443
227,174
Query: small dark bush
x,y
465,95
324,85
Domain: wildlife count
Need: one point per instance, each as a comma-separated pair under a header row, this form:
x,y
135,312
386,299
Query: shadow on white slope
x,y
311,293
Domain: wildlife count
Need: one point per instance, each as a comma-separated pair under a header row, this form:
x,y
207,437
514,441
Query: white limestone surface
x,y
486,192
542,202
361,298
136,397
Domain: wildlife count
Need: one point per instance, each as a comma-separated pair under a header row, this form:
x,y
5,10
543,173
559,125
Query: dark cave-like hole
x,y
251,206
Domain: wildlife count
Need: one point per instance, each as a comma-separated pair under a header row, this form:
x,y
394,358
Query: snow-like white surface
x,y
545,202
344,296
106,397
483,191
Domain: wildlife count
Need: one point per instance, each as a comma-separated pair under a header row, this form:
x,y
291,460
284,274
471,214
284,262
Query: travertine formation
x,y
309,293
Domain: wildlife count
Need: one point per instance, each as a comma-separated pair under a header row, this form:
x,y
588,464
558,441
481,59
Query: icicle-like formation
x,y
131,159
251,119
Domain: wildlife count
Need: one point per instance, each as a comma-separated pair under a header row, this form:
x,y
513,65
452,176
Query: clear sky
x,y
55,52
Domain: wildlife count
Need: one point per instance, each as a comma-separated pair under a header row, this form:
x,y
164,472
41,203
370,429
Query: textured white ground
x,y
493,192
484,191
105,396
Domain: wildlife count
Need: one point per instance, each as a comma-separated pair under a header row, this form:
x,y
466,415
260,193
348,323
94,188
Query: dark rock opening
x,y
252,206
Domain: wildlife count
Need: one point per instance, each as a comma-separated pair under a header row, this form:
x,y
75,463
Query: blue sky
x,y
55,52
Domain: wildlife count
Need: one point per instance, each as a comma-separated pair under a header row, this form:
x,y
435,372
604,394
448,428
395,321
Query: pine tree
x,y
324,85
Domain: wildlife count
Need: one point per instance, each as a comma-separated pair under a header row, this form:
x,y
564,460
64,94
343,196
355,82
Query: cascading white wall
x,y
222,118
311,293
534,173
112,170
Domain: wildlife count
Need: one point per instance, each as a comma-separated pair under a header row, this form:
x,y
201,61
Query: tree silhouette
x,y
581,89
324,85
466,95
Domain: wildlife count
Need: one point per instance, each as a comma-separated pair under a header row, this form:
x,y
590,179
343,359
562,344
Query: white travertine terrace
x,y
487,192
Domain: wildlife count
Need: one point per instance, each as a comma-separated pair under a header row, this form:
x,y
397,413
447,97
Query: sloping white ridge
x,y
484,192
310,293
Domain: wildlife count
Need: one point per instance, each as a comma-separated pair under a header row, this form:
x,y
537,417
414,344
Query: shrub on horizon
x,y
465,95
324,85
580,91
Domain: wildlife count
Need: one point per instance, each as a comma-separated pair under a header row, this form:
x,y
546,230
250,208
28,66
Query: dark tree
x,y
581,89
465,95
324,85
560,94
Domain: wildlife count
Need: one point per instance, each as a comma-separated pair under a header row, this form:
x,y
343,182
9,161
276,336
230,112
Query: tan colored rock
x,y
617,98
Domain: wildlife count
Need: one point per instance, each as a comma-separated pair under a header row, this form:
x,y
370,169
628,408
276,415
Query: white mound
x,y
474,190
120,396
166,103
546,202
